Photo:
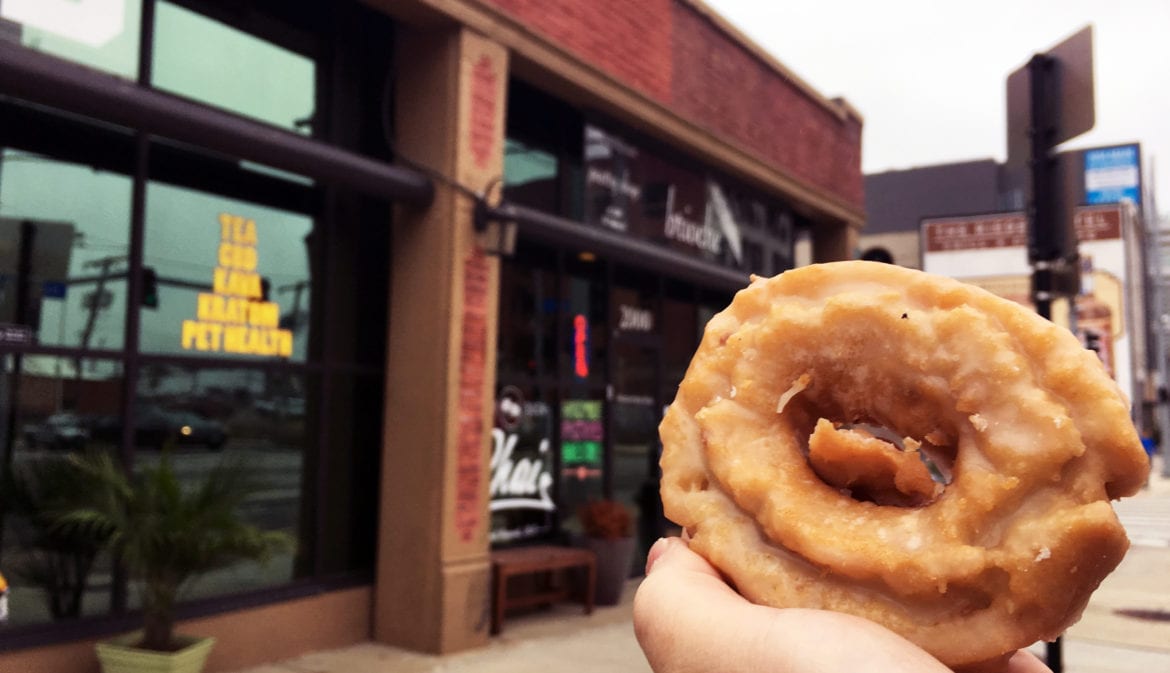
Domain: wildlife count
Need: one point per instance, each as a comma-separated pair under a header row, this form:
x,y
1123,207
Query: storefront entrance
x,y
589,354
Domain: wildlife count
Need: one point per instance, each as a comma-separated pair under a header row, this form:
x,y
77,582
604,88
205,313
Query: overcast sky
x,y
929,76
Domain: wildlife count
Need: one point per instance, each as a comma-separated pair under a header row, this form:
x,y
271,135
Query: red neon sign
x,y
581,346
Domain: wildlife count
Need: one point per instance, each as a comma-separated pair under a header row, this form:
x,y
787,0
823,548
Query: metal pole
x,y
1047,242
1161,323
47,80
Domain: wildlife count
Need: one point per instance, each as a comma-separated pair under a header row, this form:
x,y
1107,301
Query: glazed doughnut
x,y
791,456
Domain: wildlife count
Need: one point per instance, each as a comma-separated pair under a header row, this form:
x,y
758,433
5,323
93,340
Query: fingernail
x,y
657,550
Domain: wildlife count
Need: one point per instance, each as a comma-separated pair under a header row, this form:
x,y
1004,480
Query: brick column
x,y
433,585
834,242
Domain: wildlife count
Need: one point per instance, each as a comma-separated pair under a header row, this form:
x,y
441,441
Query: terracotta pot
x,y
614,560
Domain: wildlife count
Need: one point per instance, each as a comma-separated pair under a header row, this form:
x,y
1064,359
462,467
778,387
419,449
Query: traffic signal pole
x,y
1048,244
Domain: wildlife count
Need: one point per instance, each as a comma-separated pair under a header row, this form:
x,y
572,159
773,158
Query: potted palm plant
x,y
609,533
55,560
167,533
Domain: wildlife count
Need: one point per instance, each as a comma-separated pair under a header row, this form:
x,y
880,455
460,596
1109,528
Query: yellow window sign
x,y
234,317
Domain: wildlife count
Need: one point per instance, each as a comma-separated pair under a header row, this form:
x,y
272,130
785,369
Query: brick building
x,y
433,266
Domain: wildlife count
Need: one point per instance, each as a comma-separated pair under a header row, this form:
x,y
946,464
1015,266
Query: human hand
x,y
687,619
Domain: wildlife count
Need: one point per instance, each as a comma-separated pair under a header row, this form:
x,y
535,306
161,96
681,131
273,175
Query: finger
x,y
688,619
1026,662
1021,661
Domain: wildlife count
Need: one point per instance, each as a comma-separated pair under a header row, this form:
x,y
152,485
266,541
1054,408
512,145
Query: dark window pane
x,y
529,310
200,416
351,464
52,411
585,325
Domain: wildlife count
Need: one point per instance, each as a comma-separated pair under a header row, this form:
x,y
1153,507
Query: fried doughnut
x,y
782,460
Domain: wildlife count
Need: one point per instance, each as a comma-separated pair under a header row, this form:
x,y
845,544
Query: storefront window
x,y
101,34
680,322
200,58
582,454
523,504
54,407
529,309
260,328
530,176
64,241
200,416
231,278
585,331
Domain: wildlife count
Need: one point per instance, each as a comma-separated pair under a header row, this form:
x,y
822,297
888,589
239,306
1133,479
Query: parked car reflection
x,y
60,432
155,427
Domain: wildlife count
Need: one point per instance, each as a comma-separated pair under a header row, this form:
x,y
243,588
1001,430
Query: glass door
x,y
636,413
635,410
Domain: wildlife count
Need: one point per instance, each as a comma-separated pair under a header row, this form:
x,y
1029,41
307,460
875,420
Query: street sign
x,y
53,289
1073,90
1113,174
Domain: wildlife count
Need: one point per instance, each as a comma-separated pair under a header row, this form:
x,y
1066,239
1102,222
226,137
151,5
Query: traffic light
x,y
149,287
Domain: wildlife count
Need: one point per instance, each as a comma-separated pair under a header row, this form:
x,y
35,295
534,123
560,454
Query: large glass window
x,y
201,58
258,330
231,278
54,406
64,245
101,34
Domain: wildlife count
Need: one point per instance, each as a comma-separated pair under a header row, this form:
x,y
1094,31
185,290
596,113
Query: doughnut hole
x,y
870,468
853,452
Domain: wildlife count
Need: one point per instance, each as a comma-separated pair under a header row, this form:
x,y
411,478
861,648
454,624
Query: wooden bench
x,y
541,561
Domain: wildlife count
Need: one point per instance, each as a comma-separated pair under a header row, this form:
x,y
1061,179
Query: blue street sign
x,y
1112,175
53,289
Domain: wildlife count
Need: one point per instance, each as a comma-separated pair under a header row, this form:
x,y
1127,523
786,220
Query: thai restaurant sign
x,y
991,251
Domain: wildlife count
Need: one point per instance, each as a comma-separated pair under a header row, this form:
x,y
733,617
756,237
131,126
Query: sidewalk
x,y
561,638
1122,631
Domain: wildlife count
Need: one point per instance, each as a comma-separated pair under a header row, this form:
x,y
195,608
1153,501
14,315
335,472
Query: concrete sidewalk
x,y
560,638
1124,629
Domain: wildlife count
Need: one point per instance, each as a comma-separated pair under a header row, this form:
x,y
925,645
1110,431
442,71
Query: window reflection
x,y
200,58
530,176
63,261
53,405
232,277
101,34
199,416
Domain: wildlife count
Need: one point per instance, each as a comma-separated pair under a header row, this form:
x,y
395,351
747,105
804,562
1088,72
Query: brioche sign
x,y
235,316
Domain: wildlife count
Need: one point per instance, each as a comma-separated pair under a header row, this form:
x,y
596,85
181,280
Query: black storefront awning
x,y
47,80
560,231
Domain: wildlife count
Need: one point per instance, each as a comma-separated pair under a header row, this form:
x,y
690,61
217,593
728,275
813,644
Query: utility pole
x,y
98,301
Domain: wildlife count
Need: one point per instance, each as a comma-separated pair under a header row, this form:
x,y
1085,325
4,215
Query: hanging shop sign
x,y
638,193
236,316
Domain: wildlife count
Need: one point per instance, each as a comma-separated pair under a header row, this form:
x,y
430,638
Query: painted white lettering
x,y
679,228
522,484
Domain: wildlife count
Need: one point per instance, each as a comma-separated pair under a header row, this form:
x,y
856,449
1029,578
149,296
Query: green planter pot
x,y
118,656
